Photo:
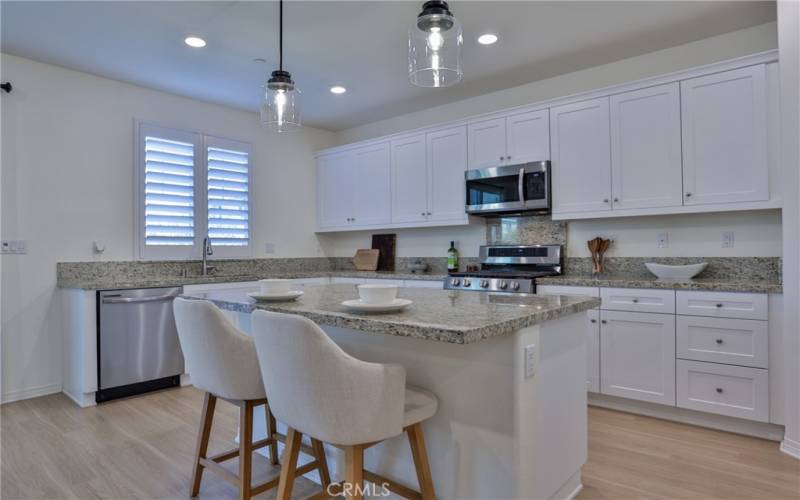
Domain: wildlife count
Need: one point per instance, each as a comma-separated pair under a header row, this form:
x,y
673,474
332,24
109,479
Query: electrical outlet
x,y
662,240
727,239
14,247
530,360
269,247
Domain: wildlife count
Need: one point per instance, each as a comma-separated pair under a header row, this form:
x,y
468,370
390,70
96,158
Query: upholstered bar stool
x,y
317,389
221,360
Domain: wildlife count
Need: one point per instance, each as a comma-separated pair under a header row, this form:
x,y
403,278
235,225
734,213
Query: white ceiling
x,y
361,45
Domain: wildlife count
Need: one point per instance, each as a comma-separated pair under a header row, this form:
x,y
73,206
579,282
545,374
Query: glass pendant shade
x,y
280,111
434,47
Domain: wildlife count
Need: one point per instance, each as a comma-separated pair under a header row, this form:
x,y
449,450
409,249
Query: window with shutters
x,y
190,186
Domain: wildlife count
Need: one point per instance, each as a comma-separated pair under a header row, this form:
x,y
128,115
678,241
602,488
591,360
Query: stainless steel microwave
x,y
511,188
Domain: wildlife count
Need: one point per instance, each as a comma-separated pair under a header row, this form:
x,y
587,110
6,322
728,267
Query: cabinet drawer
x,y
742,342
723,304
638,300
736,391
581,291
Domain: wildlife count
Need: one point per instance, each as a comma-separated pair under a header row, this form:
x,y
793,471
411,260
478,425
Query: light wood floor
x,y
142,447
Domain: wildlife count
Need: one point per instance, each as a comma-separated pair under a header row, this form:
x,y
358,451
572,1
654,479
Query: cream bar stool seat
x,y
319,390
222,361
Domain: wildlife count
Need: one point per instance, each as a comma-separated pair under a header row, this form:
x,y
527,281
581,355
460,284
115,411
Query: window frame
x,y
201,142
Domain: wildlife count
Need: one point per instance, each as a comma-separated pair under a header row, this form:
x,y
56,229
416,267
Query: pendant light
x,y
280,110
434,47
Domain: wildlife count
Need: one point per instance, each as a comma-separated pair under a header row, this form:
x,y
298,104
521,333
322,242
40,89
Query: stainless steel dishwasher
x,y
137,342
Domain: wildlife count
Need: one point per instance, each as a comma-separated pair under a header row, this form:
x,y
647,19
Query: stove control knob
x,y
503,285
455,282
466,282
514,285
484,283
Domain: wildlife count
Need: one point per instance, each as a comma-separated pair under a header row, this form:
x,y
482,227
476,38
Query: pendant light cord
x,y
280,35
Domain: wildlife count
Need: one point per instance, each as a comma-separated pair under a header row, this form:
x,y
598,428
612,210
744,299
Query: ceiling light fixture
x,y
281,110
338,89
487,39
434,47
195,42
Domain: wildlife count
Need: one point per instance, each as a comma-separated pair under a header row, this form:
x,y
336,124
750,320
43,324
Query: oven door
x,y
509,188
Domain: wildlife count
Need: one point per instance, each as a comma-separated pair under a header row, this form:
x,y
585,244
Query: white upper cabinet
x,y
409,179
487,143
725,137
372,181
646,148
581,155
509,140
528,137
447,158
335,188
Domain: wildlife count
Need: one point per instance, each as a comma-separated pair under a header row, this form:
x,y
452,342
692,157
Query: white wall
x,y
756,233
67,170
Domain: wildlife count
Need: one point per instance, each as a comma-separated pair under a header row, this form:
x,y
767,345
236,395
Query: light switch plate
x,y
18,247
662,240
727,239
530,360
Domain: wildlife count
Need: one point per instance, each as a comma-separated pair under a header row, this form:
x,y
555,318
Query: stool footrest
x,y
393,486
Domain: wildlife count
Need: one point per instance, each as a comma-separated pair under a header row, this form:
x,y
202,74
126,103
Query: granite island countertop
x,y
441,315
636,281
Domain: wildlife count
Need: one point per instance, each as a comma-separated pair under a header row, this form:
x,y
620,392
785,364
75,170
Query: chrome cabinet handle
x,y
603,322
719,305
635,301
428,214
593,320
688,195
719,390
508,157
501,158
423,214
719,341
605,200
139,300
520,186
616,200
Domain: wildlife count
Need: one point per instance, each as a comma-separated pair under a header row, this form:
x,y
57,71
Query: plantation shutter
x,y
228,188
169,194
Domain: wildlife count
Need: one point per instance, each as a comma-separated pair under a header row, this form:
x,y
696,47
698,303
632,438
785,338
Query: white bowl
x,y
685,272
274,286
377,294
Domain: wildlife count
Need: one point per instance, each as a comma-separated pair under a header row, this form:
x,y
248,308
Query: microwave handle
x,y
520,186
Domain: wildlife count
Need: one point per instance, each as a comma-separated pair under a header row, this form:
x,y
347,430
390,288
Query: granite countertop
x,y
633,281
108,283
441,315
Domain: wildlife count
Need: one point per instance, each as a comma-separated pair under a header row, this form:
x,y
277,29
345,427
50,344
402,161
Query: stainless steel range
x,y
510,269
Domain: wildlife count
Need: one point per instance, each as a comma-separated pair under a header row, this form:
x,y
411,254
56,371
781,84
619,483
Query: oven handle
x,y
139,300
520,187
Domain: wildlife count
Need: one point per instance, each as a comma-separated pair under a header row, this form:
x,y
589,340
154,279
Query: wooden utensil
x,y
597,248
366,259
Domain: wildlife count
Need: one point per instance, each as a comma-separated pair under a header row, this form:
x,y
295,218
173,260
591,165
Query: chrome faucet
x,y
207,250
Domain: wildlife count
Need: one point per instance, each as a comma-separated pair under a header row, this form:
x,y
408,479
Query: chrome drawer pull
x,y
719,305
719,390
635,301
593,320
719,341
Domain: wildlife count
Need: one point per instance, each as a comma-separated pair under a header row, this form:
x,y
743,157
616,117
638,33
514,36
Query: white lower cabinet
x,y
741,342
637,353
735,391
593,351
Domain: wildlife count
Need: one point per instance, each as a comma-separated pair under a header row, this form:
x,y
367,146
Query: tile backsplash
x,y
527,230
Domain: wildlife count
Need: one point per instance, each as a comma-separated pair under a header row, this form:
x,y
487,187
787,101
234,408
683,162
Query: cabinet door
x,y
593,350
724,137
487,143
373,187
646,148
581,155
528,137
637,356
335,187
409,179
447,156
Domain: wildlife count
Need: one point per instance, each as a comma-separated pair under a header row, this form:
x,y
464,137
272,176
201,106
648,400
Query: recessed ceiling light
x,y
487,39
194,41
338,89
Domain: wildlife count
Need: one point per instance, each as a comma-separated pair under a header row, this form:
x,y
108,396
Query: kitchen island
x,y
509,371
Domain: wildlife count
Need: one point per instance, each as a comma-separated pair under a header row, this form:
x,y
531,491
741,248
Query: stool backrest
x,y
219,358
320,390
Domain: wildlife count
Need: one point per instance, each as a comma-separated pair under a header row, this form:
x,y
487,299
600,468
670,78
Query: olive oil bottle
x,y
452,258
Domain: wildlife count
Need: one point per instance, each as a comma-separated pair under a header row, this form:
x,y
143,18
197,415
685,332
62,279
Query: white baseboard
x,y
791,448
84,400
761,430
570,489
32,392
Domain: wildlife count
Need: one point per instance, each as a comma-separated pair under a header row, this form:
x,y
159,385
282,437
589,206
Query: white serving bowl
x,y
274,286
685,272
377,294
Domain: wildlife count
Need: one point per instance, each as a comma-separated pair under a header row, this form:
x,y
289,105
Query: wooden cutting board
x,y
366,259
386,243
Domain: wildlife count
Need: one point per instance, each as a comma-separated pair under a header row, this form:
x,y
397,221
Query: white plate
x,y
275,297
359,305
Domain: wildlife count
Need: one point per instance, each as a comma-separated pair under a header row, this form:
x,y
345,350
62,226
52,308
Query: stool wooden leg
x,y
322,461
206,419
354,472
272,428
289,468
245,449
420,454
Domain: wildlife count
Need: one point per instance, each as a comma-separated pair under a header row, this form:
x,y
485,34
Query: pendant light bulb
x,y
434,47
280,110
